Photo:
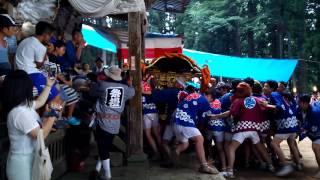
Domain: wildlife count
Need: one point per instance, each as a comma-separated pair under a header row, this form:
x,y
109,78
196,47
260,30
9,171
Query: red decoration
x,y
216,104
205,80
193,96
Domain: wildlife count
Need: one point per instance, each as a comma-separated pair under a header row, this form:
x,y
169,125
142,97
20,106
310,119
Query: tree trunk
x,y
252,12
278,31
301,73
228,45
237,40
251,49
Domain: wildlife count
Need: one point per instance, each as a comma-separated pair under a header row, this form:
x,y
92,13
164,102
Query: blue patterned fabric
x,y
225,106
276,99
226,101
167,96
286,119
190,110
215,124
148,106
312,122
70,57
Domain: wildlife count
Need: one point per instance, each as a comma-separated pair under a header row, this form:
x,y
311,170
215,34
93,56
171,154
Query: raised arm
x,y
42,99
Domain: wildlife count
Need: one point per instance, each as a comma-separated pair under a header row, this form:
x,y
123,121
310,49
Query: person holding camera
x,y
24,122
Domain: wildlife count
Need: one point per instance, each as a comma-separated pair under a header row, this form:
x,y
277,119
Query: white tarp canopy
x,y
34,10
101,8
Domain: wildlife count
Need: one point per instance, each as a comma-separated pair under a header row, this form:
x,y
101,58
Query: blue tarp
x,y
238,67
97,39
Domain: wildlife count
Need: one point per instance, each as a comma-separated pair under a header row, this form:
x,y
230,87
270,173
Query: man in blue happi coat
x,y
310,120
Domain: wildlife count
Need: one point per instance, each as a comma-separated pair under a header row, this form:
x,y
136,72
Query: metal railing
x,y
57,146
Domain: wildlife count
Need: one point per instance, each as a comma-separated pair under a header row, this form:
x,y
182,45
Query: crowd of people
x,y
248,114
44,85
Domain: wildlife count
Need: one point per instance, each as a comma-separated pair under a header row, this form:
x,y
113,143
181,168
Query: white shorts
x,y
228,136
316,142
285,136
183,134
168,133
150,120
217,135
241,136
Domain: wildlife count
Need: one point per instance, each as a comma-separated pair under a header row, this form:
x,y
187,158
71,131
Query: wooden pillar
x,y
135,130
143,31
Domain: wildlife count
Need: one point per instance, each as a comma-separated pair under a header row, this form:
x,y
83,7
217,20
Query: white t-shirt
x,y
21,121
30,51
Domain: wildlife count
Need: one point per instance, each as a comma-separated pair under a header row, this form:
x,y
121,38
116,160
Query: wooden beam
x,y
144,24
135,137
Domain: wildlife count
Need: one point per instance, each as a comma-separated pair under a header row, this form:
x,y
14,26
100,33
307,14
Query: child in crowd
x,y
150,119
215,128
84,70
68,94
98,68
226,101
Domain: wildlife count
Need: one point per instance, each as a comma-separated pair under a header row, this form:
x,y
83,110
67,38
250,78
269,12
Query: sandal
x,y
205,168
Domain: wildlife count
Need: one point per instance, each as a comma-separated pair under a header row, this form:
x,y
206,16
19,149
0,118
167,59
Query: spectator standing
x,y
7,31
23,122
74,49
30,57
